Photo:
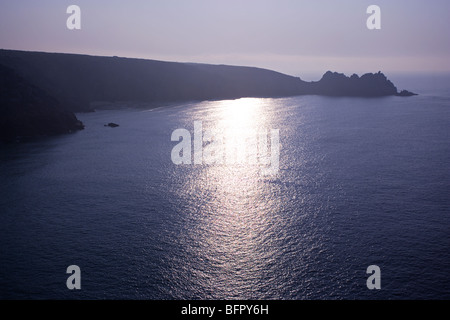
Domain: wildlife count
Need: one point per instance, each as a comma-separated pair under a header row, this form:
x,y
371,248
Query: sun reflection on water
x,y
231,213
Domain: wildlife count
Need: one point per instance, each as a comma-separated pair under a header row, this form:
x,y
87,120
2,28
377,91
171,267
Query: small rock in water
x,y
406,93
112,125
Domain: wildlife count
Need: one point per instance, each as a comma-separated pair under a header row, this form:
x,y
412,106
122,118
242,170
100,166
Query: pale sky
x,y
295,37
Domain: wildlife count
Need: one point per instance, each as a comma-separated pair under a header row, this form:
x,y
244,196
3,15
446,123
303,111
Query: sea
x,y
356,183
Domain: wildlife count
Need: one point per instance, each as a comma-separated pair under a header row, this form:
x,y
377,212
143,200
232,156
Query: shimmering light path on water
x,y
360,182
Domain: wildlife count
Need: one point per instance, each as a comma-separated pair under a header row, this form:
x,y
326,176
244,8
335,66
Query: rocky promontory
x,y
368,85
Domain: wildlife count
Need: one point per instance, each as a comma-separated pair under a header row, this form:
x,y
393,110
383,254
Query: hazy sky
x,y
292,36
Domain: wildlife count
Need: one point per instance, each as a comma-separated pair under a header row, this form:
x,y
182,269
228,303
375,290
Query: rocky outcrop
x,y
406,93
368,85
112,125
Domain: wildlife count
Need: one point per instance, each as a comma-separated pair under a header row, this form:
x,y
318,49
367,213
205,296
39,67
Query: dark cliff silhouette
x,y
40,91
368,85
28,111
78,80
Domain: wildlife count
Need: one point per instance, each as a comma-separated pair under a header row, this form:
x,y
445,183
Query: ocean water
x,y
360,182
